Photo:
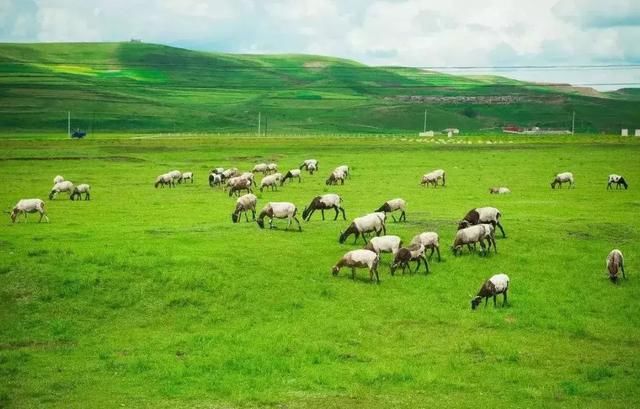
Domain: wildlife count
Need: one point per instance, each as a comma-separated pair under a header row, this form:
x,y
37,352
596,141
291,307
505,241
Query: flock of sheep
x,y
477,227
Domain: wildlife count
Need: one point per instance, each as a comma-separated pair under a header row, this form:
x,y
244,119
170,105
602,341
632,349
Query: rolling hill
x,y
135,87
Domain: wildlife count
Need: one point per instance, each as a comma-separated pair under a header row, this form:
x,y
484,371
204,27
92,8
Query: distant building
x,y
624,132
427,133
637,133
135,40
535,130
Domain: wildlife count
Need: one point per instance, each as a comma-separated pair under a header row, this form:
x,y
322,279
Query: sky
x,y
424,33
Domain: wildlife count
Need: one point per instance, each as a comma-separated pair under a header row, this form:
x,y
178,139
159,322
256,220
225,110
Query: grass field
x,y
126,87
148,297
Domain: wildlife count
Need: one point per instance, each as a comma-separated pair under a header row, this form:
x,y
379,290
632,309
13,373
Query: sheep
x,y
229,173
499,190
328,201
474,234
250,176
497,284
243,205
293,173
404,255
359,259
432,178
58,179
279,210
186,176
217,171
430,240
335,176
563,178
270,181
384,244
64,186
176,175
78,190
162,180
393,205
215,179
25,206
482,215
615,262
311,165
260,167
272,168
240,185
618,180
343,169
372,222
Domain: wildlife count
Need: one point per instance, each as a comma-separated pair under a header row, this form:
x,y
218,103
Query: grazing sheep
x,y
243,205
359,259
215,179
472,235
384,244
430,240
260,167
250,176
343,169
58,179
163,180
270,181
294,173
310,165
373,222
25,206
279,210
176,175
335,177
239,185
229,173
618,180
186,176
566,177
499,190
78,190
64,186
615,262
328,201
217,171
497,284
272,168
404,255
392,205
432,178
482,215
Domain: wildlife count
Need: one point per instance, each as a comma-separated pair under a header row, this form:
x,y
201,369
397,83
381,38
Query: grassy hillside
x,y
146,87
152,298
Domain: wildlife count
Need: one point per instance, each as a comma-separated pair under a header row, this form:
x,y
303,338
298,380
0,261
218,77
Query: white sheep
x,y
215,179
565,177
618,180
64,186
393,205
359,259
482,215
239,185
279,210
58,179
186,176
384,244
293,173
335,177
499,190
229,173
497,284
260,167
432,178
243,205
176,175
311,165
372,222
25,206
474,234
272,168
78,190
164,179
328,201
615,262
270,181
404,255
250,176
344,169
430,240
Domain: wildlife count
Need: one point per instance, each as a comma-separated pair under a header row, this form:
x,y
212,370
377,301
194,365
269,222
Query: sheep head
x,y
475,301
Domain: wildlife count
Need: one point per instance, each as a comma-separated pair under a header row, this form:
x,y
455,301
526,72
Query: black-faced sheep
x,y
293,173
393,205
404,255
384,244
499,190
618,180
615,263
311,165
566,177
243,205
497,284
278,210
270,181
430,240
432,178
78,190
480,215
162,180
328,201
475,234
359,259
373,222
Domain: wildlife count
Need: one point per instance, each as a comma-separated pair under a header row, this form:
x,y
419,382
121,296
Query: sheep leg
x,y
337,212
495,304
364,238
403,216
297,221
504,300
622,268
394,218
246,217
495,248
375,270
426,263
322,210
353,273
288,223
501,229
344,216
253,214
270,223
417,265
87,196
484,247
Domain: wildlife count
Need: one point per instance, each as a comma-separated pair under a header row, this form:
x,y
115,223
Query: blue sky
x,y
389,32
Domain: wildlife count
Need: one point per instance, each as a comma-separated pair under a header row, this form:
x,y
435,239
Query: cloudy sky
x,y
424,33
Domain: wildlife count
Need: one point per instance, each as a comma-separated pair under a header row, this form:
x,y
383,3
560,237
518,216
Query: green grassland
x,y
148,297
125,87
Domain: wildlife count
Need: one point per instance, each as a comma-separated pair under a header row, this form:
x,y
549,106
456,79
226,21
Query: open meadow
x,y
146,297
